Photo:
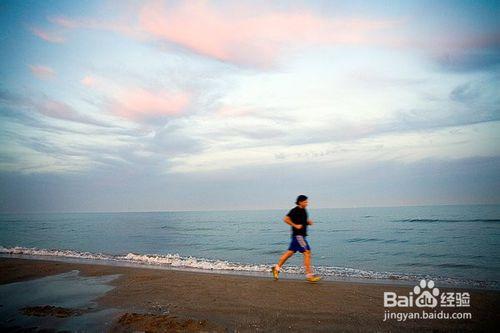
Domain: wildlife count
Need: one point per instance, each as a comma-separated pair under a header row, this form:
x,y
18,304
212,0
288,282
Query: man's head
x,y
302,201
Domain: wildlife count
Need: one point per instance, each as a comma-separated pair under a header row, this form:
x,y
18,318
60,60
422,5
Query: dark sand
x,y
155,300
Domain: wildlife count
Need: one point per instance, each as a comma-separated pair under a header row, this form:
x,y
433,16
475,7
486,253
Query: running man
x,y
297,219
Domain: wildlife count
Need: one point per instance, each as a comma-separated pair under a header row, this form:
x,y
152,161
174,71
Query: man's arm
x,y
290,222
310,222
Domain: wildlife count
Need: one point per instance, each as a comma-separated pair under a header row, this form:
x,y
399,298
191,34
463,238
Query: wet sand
x,y
155,300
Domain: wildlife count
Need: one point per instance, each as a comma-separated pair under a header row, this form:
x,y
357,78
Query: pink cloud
x,y
259,34
42,72
88,81
137,104
240,34
65,22
51,37
250,39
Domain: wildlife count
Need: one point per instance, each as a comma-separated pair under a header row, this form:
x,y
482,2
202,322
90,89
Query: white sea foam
x,y
177,261
54,253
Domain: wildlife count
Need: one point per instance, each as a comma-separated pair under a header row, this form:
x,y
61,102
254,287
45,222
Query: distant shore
x,y
168,300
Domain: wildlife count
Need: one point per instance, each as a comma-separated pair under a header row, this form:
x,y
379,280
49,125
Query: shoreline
x,y
390,278
254,274
228,303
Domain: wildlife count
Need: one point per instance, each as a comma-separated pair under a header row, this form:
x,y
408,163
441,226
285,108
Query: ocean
x,y
451,244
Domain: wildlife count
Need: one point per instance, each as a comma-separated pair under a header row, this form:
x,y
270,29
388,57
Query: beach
x,y
157,300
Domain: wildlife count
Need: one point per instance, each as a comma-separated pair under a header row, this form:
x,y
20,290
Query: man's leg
x,y
284,258
307,262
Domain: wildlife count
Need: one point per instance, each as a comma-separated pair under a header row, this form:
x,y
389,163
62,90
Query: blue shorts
x,y
299,243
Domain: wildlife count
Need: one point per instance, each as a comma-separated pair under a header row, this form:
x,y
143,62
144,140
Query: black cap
x,y
300,198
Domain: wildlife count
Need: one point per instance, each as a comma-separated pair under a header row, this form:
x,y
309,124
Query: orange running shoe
x,y
313,278
276,273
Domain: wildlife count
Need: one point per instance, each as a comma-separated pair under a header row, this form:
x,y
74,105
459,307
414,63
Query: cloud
x,y
468,60
477,99
124,28
384,183
245,36
406,146
231,111
35,144
42,72
487,40
60,110
52,37
140,104
164,143
240,34
466,52
465,92
88,81
137,98
8,98
258,35
45,106
122,104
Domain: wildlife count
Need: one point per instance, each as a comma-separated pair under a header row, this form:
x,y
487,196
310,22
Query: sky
x,y
206,105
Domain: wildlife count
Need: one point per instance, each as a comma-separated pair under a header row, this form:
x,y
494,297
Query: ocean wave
x,y
339,230
363,240
385,241
189,262
447,220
